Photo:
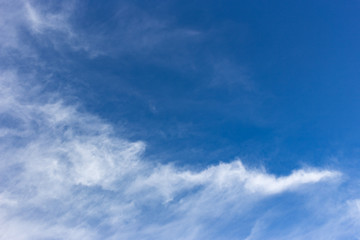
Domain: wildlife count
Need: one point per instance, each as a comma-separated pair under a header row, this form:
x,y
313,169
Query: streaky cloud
x,y
67,172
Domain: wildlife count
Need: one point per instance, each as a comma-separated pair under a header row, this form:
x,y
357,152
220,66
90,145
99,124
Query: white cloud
x,y
11,21
328,217
50,25
64,174
167,180
42,20
56,156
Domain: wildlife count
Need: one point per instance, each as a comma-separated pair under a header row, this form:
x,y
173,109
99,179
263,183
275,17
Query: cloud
x,y
48,24
66,171
12,20
327,220
56,27
230,75
39,21
66,174
167,180
138,32
134,30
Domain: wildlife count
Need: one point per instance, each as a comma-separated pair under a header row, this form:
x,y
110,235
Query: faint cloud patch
x,y
230,75
53,23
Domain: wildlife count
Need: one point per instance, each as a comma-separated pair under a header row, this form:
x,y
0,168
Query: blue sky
x,y
179,120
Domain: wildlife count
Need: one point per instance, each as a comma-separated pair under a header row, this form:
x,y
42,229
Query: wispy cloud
x,y
50,25
53,24
66,174
65,171
133,30
228,74
329,220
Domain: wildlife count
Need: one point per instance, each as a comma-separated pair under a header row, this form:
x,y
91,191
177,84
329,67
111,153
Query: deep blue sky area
x,y
276,80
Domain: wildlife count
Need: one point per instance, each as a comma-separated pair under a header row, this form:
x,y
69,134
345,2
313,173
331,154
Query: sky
x,y
184,120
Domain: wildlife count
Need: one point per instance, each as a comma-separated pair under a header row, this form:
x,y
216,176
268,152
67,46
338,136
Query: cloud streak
x,y
64,170
66,174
